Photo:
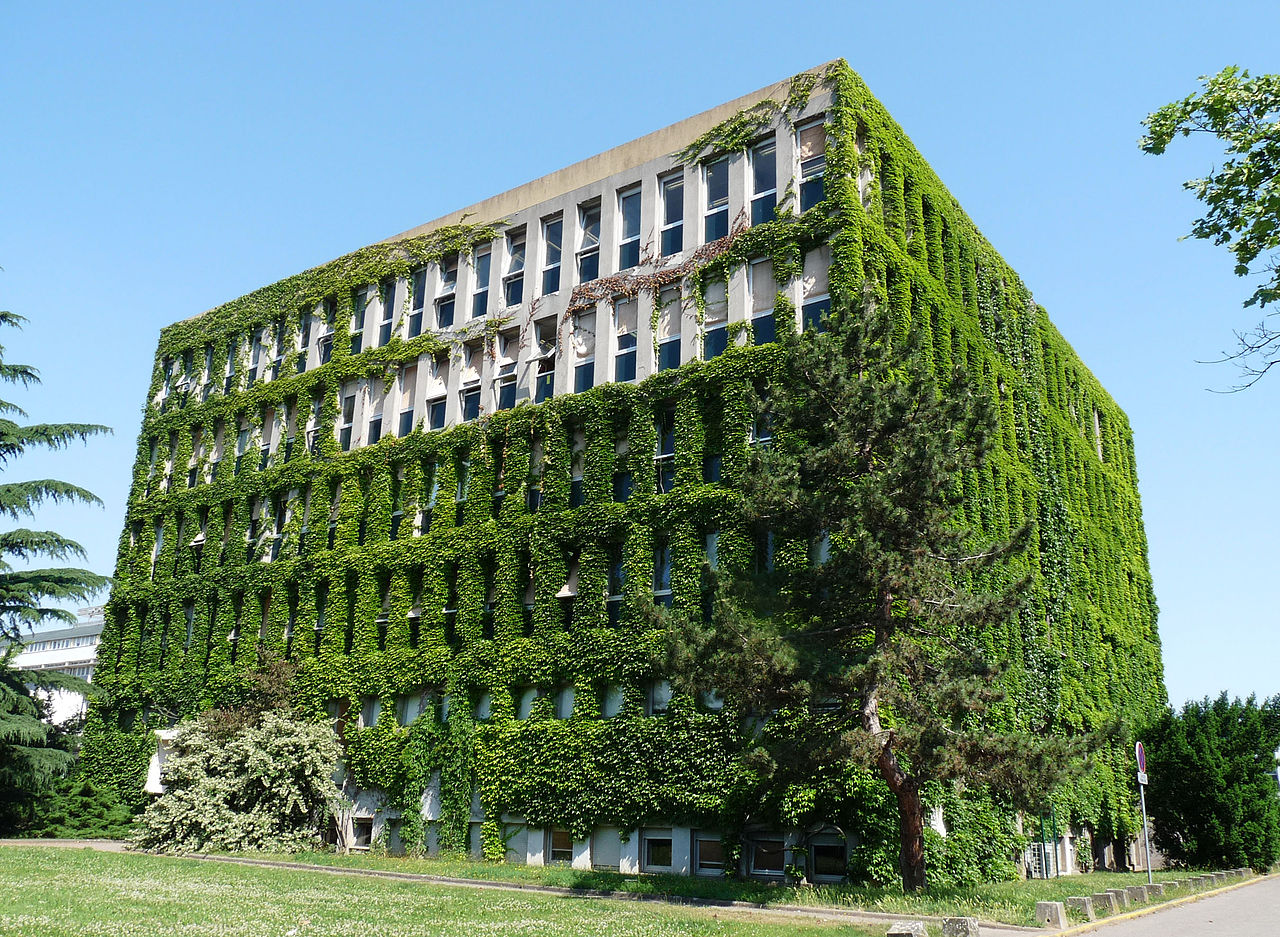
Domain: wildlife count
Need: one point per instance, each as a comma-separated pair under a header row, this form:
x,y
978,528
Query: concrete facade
x,y
71,650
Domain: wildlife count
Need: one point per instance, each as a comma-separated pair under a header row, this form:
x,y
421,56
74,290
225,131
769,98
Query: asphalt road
x,y
1251,911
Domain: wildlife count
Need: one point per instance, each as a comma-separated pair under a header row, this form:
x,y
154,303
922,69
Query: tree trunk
x,y
904,787
911,833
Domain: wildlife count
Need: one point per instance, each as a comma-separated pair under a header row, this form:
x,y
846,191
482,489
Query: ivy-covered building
x,y
446,473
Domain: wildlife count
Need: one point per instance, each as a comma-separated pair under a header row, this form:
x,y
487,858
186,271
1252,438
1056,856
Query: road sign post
x,y
1140,754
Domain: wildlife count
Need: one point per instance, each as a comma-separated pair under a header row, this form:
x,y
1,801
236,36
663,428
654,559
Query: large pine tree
x,y
877,642
32,754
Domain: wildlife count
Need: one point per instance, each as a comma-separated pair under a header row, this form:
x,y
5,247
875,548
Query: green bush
x,y
269,786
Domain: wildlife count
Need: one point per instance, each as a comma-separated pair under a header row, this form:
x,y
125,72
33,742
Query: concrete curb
x,y
1152,909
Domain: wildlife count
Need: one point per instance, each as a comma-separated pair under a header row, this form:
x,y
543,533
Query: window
x,y
325,343
377,401
348,419
408,397
767,857
362,833
711,548
552,239
624,327
564,703
657,851
811,140
589,252
716,221
233,351
448,286
388,293
435,413
584,351
470,403
664,458
672,214
544,382
419,286
617,580
662,573
708,856
577,465
359,303
513,282
525,701
471,361
817,301
629,236
669,328
444,312
828,860
715,318
764,294
764,181
480,292
508,347
561,849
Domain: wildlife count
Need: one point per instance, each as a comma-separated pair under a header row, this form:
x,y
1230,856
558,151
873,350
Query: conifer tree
x,y
875,647
31,753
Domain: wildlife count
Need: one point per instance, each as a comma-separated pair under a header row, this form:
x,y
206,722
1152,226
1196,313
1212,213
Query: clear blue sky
x,y
160,159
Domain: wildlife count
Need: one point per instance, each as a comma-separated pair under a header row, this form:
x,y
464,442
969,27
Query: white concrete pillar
x,y
681,850
582,854
629,854
536,851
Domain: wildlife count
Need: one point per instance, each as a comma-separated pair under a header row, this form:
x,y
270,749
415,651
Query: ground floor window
x,y
657,852
561,846
767,857
362,833
709,859
828,860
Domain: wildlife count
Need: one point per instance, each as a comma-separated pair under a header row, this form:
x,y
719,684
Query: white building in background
x,y
71,650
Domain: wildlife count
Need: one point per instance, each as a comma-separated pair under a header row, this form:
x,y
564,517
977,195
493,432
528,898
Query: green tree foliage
x,y
267,786
78,808
1213,796
1242,196
876,650
33,754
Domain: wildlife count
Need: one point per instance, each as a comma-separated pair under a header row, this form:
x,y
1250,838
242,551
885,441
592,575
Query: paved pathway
x,y
1250,911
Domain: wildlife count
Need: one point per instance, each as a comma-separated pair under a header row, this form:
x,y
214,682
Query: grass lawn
x,y
61,892
1009,902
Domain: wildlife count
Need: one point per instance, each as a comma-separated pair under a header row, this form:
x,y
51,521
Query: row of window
x,y
435,704
436,288
59,644
825,856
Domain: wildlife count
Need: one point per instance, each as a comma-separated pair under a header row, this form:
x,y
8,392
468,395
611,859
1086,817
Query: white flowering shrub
x,y
267,787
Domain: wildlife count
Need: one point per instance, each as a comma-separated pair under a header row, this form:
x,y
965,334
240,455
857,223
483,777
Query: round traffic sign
x,y
1141,754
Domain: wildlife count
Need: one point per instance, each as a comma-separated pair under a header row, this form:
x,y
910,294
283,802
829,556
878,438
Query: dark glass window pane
x,y
384,333
444,314
584,377
717,226
480,304
630,210
672,240
415,325
666,477
507,395
669,354
550,280
717,183
471,404
375,430
406,423
711,468
588,267
621,486
666,428
543,387
326,352
810,193
762,209
657,853
577,492
515,290
828,859
628,255
436,415
815,312
767,857
344,441
710,854
715,342
624,366
764,167
763,329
